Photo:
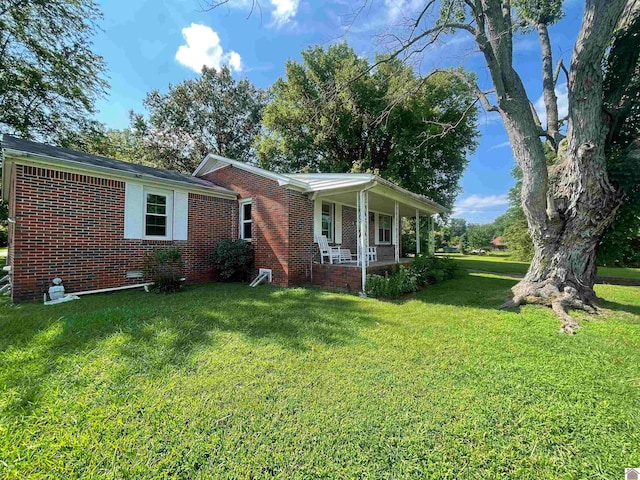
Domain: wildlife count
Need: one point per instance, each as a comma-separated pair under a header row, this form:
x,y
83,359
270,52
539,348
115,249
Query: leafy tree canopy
x,y
49,77
335,113
212,113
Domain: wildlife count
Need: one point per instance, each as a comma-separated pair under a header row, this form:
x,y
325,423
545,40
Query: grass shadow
x,y
486,292
155,334
623,307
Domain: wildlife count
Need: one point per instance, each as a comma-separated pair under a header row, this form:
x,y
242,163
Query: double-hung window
x,y
246,220
155,214
384,229
328,221
157,219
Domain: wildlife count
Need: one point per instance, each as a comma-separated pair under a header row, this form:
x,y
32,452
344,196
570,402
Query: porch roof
x,y
340,187
343,187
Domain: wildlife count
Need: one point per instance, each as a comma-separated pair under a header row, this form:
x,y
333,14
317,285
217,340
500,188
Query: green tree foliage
x,y
458,227
620,245
480,235
123,144
49,77
335,113
212,113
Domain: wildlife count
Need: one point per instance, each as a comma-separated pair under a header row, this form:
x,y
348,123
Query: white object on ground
x,y
66,298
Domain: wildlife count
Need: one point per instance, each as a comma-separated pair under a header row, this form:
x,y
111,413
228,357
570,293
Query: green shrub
x,y
391,286
233,259
424,270
429,269
4,236
164,266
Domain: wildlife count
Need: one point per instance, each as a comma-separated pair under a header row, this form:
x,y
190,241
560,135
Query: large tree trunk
x,y
570,204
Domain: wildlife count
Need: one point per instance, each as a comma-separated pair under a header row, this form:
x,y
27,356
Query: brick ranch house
x,y
91,220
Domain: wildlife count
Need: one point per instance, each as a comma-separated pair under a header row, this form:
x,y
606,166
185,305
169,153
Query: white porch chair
x,y
346,256
372,254
332,253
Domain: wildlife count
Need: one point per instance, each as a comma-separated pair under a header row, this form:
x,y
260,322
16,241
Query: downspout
x,y
363,243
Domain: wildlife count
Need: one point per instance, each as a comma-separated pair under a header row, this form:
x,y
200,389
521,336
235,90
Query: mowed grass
x,y
500,263
225,381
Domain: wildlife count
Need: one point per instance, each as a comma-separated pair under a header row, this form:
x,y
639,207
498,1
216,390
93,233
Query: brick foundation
x,y
348,277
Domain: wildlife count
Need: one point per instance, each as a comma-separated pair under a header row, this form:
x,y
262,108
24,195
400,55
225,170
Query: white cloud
x,y
480,203
235,61
203,48
563,104
500,145
397,9
284,11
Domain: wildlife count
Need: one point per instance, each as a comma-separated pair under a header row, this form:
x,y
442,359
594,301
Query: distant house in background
x,y
91,220
498,244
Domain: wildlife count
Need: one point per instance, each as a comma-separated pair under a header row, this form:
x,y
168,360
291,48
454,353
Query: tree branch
x,y
548,85
560,67
482,96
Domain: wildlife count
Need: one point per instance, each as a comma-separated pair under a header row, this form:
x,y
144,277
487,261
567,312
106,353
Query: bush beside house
x,y
165,267
233,260
424,270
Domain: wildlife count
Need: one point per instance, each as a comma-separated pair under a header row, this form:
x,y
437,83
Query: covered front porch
x,y
362,217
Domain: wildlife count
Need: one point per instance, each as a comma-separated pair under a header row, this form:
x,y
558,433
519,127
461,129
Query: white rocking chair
x,y
332,253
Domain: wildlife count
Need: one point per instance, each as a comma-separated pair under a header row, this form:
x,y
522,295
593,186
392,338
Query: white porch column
x,y
363,233
395,230
417,232
432,240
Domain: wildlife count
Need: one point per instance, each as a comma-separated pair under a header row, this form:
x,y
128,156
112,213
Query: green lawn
x,y
500,263
225,381
3,255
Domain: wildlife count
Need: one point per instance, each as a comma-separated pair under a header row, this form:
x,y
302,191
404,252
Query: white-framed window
x,y
328,220
384,229
154,213
246,219
158,210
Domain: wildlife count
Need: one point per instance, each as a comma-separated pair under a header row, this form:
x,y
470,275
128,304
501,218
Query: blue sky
x,y
149,44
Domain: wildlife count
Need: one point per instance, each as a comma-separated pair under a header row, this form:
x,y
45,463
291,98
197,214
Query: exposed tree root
x,y
560,301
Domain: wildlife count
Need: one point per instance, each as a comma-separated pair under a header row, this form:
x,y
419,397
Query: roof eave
x,y
434,206
283,180
10,154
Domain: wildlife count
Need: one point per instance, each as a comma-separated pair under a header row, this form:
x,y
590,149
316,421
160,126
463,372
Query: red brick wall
x,y
282,227
72,226
346,277
301,245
